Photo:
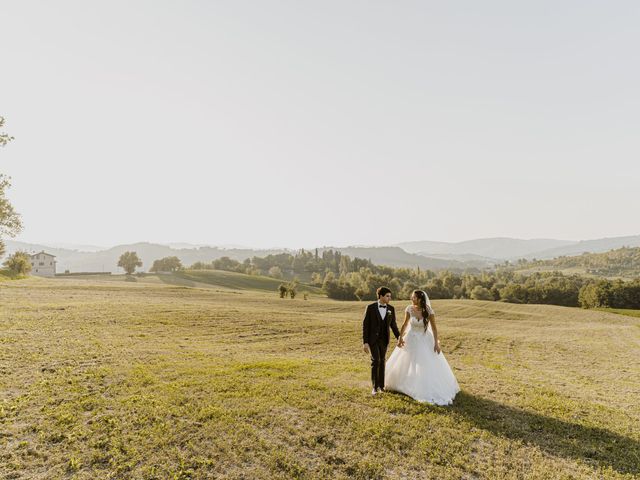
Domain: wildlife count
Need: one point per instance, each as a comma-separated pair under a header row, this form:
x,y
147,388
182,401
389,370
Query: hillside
x,y
199,278
237,281
460,256
494,248
140,380
620,263
512,248
589,246
107,260
397,257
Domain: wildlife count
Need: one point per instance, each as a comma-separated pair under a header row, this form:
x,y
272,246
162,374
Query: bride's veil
x,y
429,307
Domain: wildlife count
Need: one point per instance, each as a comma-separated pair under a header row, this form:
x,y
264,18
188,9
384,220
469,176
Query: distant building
x,y
43,264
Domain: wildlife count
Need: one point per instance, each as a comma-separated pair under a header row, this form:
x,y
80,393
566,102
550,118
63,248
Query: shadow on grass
x,y
596,446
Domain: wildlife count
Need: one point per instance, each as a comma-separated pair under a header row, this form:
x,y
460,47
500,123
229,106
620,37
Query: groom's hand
x,y
366,348
400,343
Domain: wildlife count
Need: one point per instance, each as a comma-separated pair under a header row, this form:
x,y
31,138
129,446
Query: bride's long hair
x,y
423,307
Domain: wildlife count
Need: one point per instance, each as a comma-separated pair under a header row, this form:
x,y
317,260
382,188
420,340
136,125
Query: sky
x,y
327,123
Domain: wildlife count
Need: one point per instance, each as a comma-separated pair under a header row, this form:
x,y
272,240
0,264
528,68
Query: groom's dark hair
x,y
382,291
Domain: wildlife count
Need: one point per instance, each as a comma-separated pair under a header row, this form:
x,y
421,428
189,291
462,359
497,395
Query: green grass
x,y
622,311
238,281
115,379
204,279
6,274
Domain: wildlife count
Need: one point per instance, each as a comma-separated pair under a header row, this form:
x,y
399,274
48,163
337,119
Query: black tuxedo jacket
x,y
373,325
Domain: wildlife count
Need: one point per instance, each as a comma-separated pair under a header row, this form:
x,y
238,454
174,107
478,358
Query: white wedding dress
x,y
417,370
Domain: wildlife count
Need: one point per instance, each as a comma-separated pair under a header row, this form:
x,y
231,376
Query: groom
x,y
378,318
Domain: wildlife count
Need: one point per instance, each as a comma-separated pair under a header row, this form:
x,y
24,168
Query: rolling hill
x,y
480,253
493,248
200,279
397,257
587,246
619,263
107,260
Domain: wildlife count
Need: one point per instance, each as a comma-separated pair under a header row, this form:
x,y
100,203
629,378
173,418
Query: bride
x,y
417,367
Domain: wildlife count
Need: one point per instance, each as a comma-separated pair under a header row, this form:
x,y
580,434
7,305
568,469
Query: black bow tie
x,y
382,306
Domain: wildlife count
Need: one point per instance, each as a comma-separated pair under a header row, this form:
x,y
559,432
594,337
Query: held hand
x,y
366,348
400,342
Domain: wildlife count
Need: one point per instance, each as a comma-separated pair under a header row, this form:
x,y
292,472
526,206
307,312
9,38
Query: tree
x,y
10,223
226,263
292,287
200,266
19,263
275,272
166,264
514,293
4,137
283,290
129,261
481,293
316,279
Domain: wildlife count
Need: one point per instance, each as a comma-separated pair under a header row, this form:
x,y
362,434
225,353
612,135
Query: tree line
x,y
345,278
303,263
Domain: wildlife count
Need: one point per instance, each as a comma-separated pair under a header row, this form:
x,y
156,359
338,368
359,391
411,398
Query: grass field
x,y
203,279
6,275
622,311
114,379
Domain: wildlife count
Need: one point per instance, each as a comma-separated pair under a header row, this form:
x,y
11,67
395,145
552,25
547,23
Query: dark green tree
x,y
4,137
292,288
481,293
10,222
19,263
166,264
129,261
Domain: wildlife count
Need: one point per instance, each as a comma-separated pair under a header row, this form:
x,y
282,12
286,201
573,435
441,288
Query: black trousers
x,y
378,358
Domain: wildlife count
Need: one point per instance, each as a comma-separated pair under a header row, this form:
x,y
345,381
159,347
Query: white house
x,y
43,264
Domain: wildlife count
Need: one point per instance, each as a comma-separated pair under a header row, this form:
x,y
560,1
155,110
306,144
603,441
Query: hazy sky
x,y
299,123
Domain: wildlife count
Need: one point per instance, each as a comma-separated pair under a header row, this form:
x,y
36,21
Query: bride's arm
x,y
403,328
434,329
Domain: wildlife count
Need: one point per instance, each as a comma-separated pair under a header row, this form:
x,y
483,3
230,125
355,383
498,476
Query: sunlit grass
x,y
622,311
149,380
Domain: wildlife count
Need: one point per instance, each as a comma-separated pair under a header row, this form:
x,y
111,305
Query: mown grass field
x,y
622,311
106,379
6,275
204,279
